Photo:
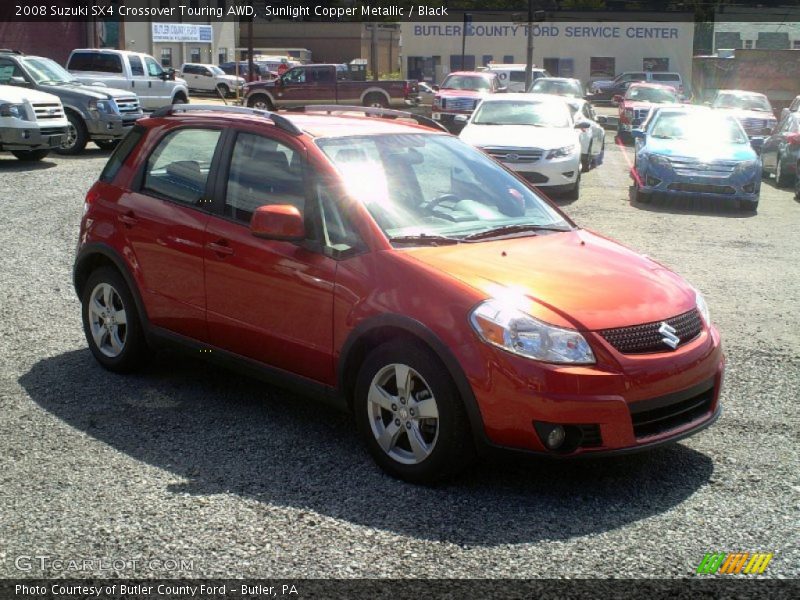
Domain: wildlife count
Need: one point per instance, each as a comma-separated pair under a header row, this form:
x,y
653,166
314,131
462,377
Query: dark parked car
x,y
781,150
244,70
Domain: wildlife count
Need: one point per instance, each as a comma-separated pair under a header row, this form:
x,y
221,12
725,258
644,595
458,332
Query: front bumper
x,y
624,403
32,138
111,127
555,172
733,188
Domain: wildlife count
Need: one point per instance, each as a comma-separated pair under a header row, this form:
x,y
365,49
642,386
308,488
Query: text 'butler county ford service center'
x,y
584,50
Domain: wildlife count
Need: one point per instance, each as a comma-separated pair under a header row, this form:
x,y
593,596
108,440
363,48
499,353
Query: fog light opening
x,y
653,181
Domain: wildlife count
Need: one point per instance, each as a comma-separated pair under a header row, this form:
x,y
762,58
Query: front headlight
x,y
561,152
702,308
108,107
659,161
15,111
746,166
521,334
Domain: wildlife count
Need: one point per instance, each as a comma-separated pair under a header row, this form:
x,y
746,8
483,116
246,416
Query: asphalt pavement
x,y
227,476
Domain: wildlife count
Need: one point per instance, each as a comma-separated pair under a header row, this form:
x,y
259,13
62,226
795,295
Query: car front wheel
x,y
410,414
111,323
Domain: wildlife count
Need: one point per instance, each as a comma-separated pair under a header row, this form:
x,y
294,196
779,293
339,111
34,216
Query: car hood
x,y
17,95
82,90
518,136
741,113
691,149
231,78
461,93
594,284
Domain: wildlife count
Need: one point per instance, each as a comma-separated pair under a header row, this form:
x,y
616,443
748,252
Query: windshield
x,y
699,128
560,88
44,70
745,101
649,94
434,185
522,112
465,82
216,70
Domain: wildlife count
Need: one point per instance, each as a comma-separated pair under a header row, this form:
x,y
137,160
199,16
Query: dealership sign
x,y
182,32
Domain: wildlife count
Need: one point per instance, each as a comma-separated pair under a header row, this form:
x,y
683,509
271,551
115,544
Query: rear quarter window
x,y
81,61
121,153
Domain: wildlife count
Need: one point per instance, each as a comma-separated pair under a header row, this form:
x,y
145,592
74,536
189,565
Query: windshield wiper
x,y
423,239
511,229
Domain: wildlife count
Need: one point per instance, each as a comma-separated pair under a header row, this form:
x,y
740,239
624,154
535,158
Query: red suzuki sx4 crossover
x,y
385,266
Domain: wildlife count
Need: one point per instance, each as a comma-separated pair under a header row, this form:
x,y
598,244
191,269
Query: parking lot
x,y
231,477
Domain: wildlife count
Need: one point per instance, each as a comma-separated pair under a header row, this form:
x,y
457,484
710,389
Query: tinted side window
x,y
137,69
263,171
107,63
81,61
178,167
322,75
121,153
517,76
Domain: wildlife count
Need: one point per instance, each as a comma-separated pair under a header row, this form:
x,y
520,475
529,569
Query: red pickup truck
x,y
328,84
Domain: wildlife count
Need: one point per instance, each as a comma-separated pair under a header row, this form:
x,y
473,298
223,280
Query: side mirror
x,y
278,222
19,81
583,125
617,99
435,88
602,120
638,134
463,119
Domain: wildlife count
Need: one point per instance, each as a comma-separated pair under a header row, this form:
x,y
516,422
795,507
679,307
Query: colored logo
x,y
734,563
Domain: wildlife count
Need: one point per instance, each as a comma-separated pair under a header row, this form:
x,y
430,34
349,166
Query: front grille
x,y
52,130
515,155
639,115
701,188
691,166
534,177
127,105
754,126
645,339
659,415
48,111
459,103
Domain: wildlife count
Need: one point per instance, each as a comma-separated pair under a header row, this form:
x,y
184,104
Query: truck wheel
x,y
260,102
376,101
30,155
180,98
77,136
107,145
223,90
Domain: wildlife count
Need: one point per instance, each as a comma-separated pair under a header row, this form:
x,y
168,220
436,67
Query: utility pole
x,y
466,20
529,53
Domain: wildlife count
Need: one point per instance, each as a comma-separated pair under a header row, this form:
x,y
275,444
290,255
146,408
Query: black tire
x,y
782,178
574,192
180,98
223,90
453,449
260,101
586,162
107,145
30,155
639,196
134,347
77,136
376,100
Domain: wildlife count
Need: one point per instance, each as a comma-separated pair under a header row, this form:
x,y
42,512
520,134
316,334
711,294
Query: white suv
x,y
134,71
207,78
31,122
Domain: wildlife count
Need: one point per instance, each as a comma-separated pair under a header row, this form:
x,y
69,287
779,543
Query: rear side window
x,y
81,61
121,153
178,168
107,63
666,77
517,76
137,68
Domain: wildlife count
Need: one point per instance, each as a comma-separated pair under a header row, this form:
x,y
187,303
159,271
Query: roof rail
x,y
279,121
368,110
11,51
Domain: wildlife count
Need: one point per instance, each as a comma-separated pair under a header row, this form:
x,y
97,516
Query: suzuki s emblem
x,y
670,339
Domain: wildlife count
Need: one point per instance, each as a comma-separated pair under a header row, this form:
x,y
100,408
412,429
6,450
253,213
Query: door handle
x,y
128,219
221,248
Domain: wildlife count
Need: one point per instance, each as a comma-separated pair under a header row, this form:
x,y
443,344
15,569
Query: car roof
x,y
533,97
316,125
570,79
741,93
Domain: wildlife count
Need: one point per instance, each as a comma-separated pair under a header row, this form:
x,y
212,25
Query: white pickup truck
x,y
134,71
31,122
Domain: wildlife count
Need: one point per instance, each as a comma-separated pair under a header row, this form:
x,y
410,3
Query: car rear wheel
x,y
111,322
106,144
30,155
782,178
375,101
410,414
77,136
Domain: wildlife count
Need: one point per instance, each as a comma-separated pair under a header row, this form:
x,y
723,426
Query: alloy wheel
x,y
72,137
403,414
107,320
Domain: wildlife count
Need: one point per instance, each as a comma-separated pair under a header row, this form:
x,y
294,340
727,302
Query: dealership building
x,y
582,49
